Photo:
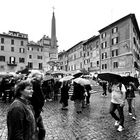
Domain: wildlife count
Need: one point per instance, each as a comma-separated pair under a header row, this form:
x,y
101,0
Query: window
x,y
74,66
114,40
2,58
30,56
84,61
12,49
91,64
81,54
2,48
30,49
104,45
2,67
39,57
22,43
104,55
115,64
84,54
104,66
74,56
114,52
2,40
12,60
114,30
103,35
134,40
30,65
21,60
12,42
21,50
97,44
97,63
40,65
81,65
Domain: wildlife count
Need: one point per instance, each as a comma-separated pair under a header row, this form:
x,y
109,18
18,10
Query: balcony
x,y
11,63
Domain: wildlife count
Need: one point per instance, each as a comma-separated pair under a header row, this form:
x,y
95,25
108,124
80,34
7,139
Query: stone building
x,y
120,46
35,55
91,55
13,51
116,49
75,57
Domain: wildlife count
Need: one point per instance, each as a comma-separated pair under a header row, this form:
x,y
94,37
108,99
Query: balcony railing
x,y
11,63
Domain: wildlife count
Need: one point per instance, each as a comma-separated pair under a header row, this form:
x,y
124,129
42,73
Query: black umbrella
x,y
110,77
77,74
127,79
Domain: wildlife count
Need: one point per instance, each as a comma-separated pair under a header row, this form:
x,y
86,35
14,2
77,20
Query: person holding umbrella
x,y
118,102
78,96
64,94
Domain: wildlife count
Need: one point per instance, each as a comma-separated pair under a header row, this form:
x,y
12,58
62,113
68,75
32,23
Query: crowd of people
x,y
29,93
27,96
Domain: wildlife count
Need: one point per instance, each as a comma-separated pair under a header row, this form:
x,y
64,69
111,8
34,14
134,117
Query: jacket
x,y
20,121
78,92
37,99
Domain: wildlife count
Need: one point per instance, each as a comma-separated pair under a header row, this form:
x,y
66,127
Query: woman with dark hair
x,y
20,117
117,103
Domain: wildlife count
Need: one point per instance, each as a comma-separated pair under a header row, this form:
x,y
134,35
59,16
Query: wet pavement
x,y
94,123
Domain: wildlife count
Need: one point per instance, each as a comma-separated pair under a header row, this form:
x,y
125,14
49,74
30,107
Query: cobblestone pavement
x,y
94,123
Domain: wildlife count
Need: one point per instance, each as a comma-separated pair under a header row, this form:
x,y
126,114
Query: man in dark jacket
x,y
88,88
37,102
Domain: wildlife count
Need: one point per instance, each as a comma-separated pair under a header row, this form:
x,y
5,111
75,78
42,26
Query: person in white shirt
x,y
118,102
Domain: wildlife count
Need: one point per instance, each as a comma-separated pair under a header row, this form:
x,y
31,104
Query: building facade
x,y
35,56
75,57
13,51
116,49
120,46
91,54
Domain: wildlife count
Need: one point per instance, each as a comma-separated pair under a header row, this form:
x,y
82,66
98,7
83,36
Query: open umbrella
x,y
66,78
127,79
59,72
77,74
47,78
109,77
82,81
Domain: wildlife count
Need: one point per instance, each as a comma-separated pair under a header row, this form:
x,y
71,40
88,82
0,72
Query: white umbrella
x,y
34,72
82,81
66,78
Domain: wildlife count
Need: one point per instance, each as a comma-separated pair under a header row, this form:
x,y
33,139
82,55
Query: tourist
x,y
64,94
78,96
20,118
37,101
130,97
118,102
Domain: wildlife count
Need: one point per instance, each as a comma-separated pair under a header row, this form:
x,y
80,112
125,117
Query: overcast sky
x,y
76,20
